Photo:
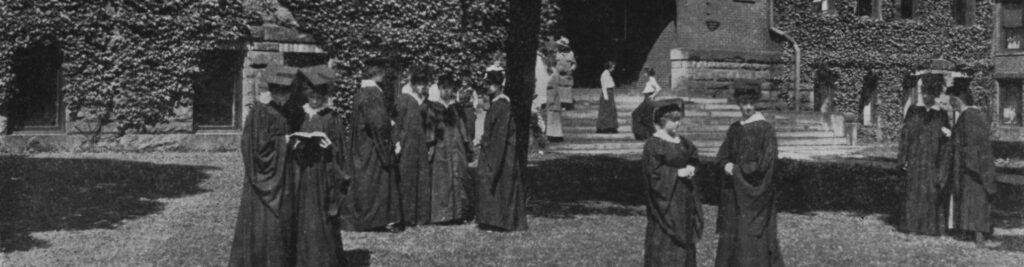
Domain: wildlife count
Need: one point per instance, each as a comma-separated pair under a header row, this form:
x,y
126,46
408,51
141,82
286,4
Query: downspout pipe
x,y
796,49
796,74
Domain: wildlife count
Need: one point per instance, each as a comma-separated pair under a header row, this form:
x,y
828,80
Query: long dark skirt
x,y
259,238
317,235
661,250
607,114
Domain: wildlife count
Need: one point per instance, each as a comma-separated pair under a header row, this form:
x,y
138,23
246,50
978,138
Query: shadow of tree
x,y
46,194
558,187
358,257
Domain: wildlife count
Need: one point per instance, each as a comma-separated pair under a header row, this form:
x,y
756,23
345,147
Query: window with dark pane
x,y
1010,102
963,12
906,10
216,103
37,105
864,8
1012,21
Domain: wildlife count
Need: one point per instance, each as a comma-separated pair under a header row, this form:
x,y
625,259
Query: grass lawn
x,y
179,210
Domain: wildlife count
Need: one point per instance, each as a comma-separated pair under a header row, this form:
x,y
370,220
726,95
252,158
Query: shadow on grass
x,y
561,187
357,258
47,194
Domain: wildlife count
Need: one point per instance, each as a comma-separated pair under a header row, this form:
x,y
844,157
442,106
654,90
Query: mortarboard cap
x,y
665,106
319,75
277,74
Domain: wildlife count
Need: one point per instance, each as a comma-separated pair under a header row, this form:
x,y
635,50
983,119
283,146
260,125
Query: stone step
x,y
628,137
635,145
583,126
794,152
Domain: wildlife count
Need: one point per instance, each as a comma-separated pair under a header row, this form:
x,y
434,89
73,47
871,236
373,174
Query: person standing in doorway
x,y
607,114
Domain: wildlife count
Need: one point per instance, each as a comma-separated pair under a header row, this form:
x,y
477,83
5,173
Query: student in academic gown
x,y
923,151
317,178
259,238
973,170
747,223
372,200
413,167
674,216
449,143
643,123
502,197
607,113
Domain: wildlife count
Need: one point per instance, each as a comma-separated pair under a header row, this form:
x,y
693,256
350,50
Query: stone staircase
x,y
705,124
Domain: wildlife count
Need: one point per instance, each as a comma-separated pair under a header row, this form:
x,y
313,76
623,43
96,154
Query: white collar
x,y
663,135
370,83
753,118
502,96
495,68
419,100
310,111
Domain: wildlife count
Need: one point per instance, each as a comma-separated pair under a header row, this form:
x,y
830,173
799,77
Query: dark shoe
x,y
556,139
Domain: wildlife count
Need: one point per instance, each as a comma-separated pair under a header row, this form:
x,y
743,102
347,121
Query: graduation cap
x,y
749,89
319,75
279,75
932,84
666,106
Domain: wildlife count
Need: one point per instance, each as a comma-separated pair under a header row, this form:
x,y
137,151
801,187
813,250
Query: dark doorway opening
x,y
218,91
38,79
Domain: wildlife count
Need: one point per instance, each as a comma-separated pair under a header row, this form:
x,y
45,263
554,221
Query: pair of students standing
x,y
950,168
293,174
747,224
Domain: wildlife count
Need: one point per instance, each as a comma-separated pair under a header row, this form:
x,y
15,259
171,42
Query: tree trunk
x,y
521,48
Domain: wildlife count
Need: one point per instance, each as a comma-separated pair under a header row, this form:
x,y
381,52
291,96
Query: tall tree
x,y
521,48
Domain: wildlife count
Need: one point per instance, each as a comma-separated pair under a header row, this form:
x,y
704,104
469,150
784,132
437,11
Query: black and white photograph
x,y
661,133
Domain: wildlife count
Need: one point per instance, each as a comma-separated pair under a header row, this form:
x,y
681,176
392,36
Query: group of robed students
x,y
949,165
307,178
746,225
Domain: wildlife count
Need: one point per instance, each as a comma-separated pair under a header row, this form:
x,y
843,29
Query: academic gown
x,y
448,142
923,149
973,168
371,200
413,167
674,216
747,217
316,189
502,196
259,237
643,119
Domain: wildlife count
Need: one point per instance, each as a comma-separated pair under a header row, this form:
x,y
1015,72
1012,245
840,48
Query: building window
x,y
868,98
38,105
963,12
868,8
1012,22
827,6
217,99
1010,102
906,9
